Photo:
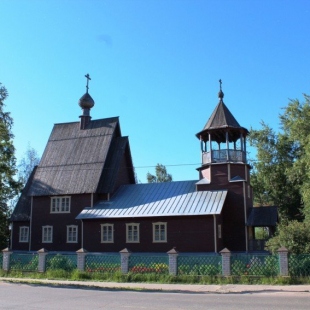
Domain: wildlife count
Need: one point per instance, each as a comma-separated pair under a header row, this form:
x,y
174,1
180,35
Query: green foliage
x,y
299,265
60,262
261,233
293,235
281,174
275,159
24,262
161,175
255,266
9,187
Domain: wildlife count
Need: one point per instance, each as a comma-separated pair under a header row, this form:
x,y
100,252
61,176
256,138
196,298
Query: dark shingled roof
x,y
74,159
221,121
23,206
263,216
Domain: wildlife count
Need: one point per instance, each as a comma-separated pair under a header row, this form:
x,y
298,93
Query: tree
x,y
296,124
161,175
27,163
271,175
9,187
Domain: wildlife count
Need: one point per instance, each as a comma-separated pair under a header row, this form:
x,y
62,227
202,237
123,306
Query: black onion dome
x,y
86,101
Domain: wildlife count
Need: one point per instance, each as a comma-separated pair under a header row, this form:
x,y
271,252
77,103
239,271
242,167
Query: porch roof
x,y
263,216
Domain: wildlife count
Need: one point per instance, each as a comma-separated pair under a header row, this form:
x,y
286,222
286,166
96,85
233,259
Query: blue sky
x,y
155,64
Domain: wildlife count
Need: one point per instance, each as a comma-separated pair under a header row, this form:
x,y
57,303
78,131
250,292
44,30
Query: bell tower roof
x,y
221,121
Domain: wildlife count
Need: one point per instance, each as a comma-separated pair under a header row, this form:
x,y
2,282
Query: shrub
x,y
293,235
60,262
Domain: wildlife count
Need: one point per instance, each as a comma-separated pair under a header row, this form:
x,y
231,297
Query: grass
x,y
77,275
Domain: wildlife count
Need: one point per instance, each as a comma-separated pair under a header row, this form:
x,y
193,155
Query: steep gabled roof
x,y
158,199
73,160
23,207
113,164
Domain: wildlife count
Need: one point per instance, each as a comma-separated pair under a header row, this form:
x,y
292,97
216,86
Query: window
x,y
60,204
47,234
132,232
23,234
107,233
72,234
160,232
219,231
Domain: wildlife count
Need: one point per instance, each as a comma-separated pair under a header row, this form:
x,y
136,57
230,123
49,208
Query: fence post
x,y
6,259
283,261
226,254
81,255
42,259
125,254
173,261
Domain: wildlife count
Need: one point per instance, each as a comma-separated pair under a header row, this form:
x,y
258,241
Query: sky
x,y
154,63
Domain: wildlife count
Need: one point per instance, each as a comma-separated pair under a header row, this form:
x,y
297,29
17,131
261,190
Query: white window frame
x,y
157,237
60,204
110,233
47,234
72,234
131,228
24,234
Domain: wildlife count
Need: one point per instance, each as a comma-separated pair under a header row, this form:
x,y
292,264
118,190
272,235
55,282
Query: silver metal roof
x,y
158,199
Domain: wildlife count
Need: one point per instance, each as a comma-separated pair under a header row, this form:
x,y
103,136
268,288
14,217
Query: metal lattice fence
x,y
158,264
255,265
67,262
1,260
103,263
210,265
24,262
299,265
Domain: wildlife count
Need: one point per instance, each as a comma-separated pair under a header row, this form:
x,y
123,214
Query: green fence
x,y
158,263
299,265
24,262
255,265
67,262
200,264
141,263
102,263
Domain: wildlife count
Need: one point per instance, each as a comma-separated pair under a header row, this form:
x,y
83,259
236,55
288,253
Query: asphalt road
x,y
27,296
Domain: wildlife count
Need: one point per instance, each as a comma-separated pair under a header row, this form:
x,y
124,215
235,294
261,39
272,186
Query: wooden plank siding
x,y
187,234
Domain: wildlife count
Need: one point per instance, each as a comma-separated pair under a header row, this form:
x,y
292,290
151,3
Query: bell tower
x,y
224,166
223,145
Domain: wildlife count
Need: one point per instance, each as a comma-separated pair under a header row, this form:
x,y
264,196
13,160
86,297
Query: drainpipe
x,y
82,234
30,228
215,235
245,218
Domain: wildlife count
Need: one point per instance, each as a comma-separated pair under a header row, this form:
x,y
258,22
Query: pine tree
x,y
9,187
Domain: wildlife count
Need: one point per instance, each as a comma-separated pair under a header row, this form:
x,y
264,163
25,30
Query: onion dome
x,y
86,101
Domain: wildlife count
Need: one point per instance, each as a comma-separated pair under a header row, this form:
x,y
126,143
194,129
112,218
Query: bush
x,y
60,262
293,235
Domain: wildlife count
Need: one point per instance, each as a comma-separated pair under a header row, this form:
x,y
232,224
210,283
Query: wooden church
x,y
83,193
